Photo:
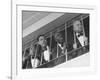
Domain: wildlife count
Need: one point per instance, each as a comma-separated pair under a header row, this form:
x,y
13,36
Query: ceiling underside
x,y
31,17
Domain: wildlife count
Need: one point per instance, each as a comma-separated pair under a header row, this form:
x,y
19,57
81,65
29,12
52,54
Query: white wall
x,y
5,33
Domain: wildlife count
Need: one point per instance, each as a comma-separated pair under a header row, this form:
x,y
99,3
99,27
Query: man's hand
x,y
85,41
75,46
35,62
24,58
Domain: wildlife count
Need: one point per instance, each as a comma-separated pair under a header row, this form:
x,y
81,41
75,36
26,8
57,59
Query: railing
x,y
79,51
64,58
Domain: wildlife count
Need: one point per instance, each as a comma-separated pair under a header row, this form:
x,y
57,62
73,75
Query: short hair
x,y
27,51
76,20
40,36
56,34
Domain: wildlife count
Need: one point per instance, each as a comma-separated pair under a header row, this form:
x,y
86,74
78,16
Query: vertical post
x,y
66,39
41,58
50,44
65,33
31,51
50,41
24,52
57,50
66,36
35,55
23,56
74,38
57,44
83,28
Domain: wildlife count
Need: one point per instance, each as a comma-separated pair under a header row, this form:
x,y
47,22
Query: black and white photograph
x,y
51,39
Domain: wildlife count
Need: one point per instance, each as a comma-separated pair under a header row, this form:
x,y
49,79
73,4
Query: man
x,y
34,60
79,39
42,51
60,48
26,59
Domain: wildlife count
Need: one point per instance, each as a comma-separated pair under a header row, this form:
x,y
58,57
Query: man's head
x,y
59,37
41,40
77,26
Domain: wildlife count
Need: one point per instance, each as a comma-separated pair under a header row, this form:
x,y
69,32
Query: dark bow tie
x,y
44,48
80,34
62,45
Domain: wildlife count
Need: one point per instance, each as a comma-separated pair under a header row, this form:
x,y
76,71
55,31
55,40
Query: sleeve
x,y
38,51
